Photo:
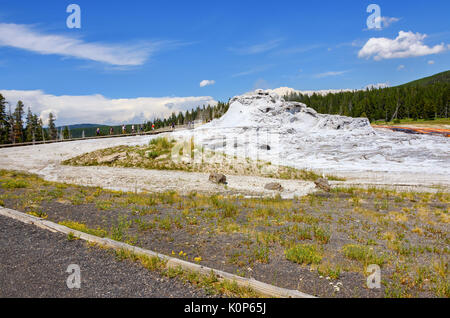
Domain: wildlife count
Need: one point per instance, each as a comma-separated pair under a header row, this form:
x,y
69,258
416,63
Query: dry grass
x,y
165,154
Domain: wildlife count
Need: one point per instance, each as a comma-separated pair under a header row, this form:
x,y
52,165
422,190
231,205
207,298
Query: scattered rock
x,y
111,158
274,186
218,178
323,184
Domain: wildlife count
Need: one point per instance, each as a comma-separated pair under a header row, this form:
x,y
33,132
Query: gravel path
x,y
34,261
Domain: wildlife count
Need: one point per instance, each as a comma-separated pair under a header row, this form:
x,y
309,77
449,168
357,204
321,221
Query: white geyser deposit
x,y
262,125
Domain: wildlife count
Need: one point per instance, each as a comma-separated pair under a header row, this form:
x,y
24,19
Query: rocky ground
x,y
320,244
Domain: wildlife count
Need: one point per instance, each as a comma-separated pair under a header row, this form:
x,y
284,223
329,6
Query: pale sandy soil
x,y
45,160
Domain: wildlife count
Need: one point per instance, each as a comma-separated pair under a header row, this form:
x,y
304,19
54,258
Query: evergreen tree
x,y
4,124
66,133
52,131
30,128
38,128
11,123
18,122
411,101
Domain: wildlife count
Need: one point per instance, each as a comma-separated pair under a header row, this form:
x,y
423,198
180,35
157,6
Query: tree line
x,y
18,127
386,104
14,129
203,113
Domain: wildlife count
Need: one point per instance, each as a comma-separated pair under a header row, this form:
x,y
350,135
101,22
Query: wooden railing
x,y
151,132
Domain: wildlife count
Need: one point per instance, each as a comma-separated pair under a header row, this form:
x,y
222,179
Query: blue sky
x,y
159,49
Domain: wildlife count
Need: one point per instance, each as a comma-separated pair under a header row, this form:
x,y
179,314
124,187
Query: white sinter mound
x,y
262,125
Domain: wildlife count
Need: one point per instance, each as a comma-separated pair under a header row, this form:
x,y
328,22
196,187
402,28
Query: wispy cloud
x,y
331,73
254,70
207,83
385,22
98,109
25,37
298,49
256,48
406,44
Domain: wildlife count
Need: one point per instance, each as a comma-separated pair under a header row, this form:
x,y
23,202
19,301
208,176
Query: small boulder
x,y
274,186
323,184
218,178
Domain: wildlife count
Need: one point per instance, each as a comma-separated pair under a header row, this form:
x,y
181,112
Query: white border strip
x,y
260,287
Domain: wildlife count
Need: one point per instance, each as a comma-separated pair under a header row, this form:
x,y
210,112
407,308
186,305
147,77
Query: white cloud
x,y
207,82
406,44
24,37
257,48
98,109
328,74
400,67
431,62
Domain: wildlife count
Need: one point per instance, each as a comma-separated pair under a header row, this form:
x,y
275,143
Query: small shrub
x,y
323,236
153,154
364,254
161,143
119,231
261,254
227,209
334,272
14,184
301,233
166,224
38,214
71,236
303,254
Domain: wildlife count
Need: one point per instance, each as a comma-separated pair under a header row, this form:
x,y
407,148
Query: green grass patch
x,y
303,254
364,254
83,228
14,184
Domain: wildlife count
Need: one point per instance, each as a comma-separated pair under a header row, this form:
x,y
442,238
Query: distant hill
x,y
443,77
82,126
426,98
76,131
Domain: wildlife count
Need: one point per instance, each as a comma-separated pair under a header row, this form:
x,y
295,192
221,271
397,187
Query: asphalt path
x,y
34,263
